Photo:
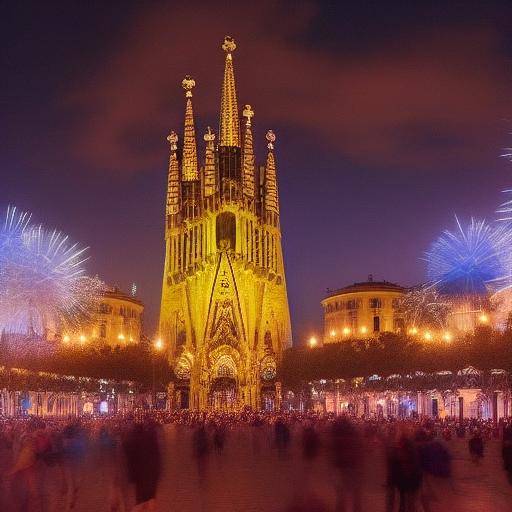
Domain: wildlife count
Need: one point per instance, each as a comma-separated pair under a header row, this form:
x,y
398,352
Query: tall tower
x,y
224,311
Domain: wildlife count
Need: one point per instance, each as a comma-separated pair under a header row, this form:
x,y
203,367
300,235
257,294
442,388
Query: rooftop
x,y
116,293
366,286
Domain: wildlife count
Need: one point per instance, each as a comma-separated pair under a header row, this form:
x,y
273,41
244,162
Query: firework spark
x,y
471,260
43,286
423,306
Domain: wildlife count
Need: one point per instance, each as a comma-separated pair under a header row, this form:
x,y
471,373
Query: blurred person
x,y
144,465
436,464
219,436
281,436
26,473
201,450
476,446
506,451
347,457
111,462
404,475
73,453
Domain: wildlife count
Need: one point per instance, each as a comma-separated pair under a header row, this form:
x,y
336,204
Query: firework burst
x,y
423,306
471,260
43,285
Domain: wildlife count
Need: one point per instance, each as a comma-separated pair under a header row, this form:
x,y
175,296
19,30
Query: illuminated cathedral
x,y
224,311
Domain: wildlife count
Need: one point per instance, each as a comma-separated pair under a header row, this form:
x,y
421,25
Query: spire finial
x,y
229,45
172,138
188,84
209,136
248,113
271,138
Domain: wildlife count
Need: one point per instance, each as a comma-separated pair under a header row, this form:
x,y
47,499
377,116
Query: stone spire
x,y
271,197
248,154
173,178
209,164
229,132
189,161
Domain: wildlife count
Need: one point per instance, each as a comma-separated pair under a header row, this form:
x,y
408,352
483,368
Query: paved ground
x,y
250,477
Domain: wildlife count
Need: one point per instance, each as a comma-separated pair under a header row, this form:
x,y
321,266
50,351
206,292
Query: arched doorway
x,y
223,394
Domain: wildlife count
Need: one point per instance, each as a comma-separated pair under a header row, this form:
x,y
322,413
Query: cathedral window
x,y
226,230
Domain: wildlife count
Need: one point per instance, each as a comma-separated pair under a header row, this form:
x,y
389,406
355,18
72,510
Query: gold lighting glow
x,y
428,335
333,333
313,342
66,339
413,331
483,318
159,344
346,331
83,339
447,337
120,337
364,329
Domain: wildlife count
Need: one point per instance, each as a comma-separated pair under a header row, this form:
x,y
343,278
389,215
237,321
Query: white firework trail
x,y
43,285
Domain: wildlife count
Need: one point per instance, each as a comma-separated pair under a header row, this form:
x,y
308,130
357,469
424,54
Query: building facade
x,y
224,312
117,321
362,310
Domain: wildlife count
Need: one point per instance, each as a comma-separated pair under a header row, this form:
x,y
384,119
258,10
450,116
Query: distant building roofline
x,y
366,286
116,293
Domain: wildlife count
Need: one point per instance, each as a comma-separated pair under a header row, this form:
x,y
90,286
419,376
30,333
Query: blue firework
x,y
43,285
471,260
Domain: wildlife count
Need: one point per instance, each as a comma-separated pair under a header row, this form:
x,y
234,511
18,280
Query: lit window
x,y
375,303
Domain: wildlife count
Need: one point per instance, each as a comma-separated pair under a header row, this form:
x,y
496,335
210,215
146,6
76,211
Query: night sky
x,y
388,119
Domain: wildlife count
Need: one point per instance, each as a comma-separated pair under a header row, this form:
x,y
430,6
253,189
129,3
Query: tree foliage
x,y
390,354
135,363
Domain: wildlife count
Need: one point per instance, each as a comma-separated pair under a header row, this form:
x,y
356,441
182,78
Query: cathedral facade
x,y
224,311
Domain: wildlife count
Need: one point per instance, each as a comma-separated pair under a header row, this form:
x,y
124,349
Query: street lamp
x,y
158,346
483,318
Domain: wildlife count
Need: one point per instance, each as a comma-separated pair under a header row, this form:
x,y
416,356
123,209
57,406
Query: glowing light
x,y
346,331
428,335
159,344
413,331
83,339
66,339
313,342
470,260
364,329
447,337
333,333
120,337
483,318
43,286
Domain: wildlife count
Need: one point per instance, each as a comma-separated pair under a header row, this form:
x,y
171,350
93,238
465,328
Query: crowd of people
x,y
126,452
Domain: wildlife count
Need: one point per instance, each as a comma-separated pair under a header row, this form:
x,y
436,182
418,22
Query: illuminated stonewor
x,y
224,311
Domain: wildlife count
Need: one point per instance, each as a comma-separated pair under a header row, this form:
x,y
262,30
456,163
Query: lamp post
x,y
158,346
